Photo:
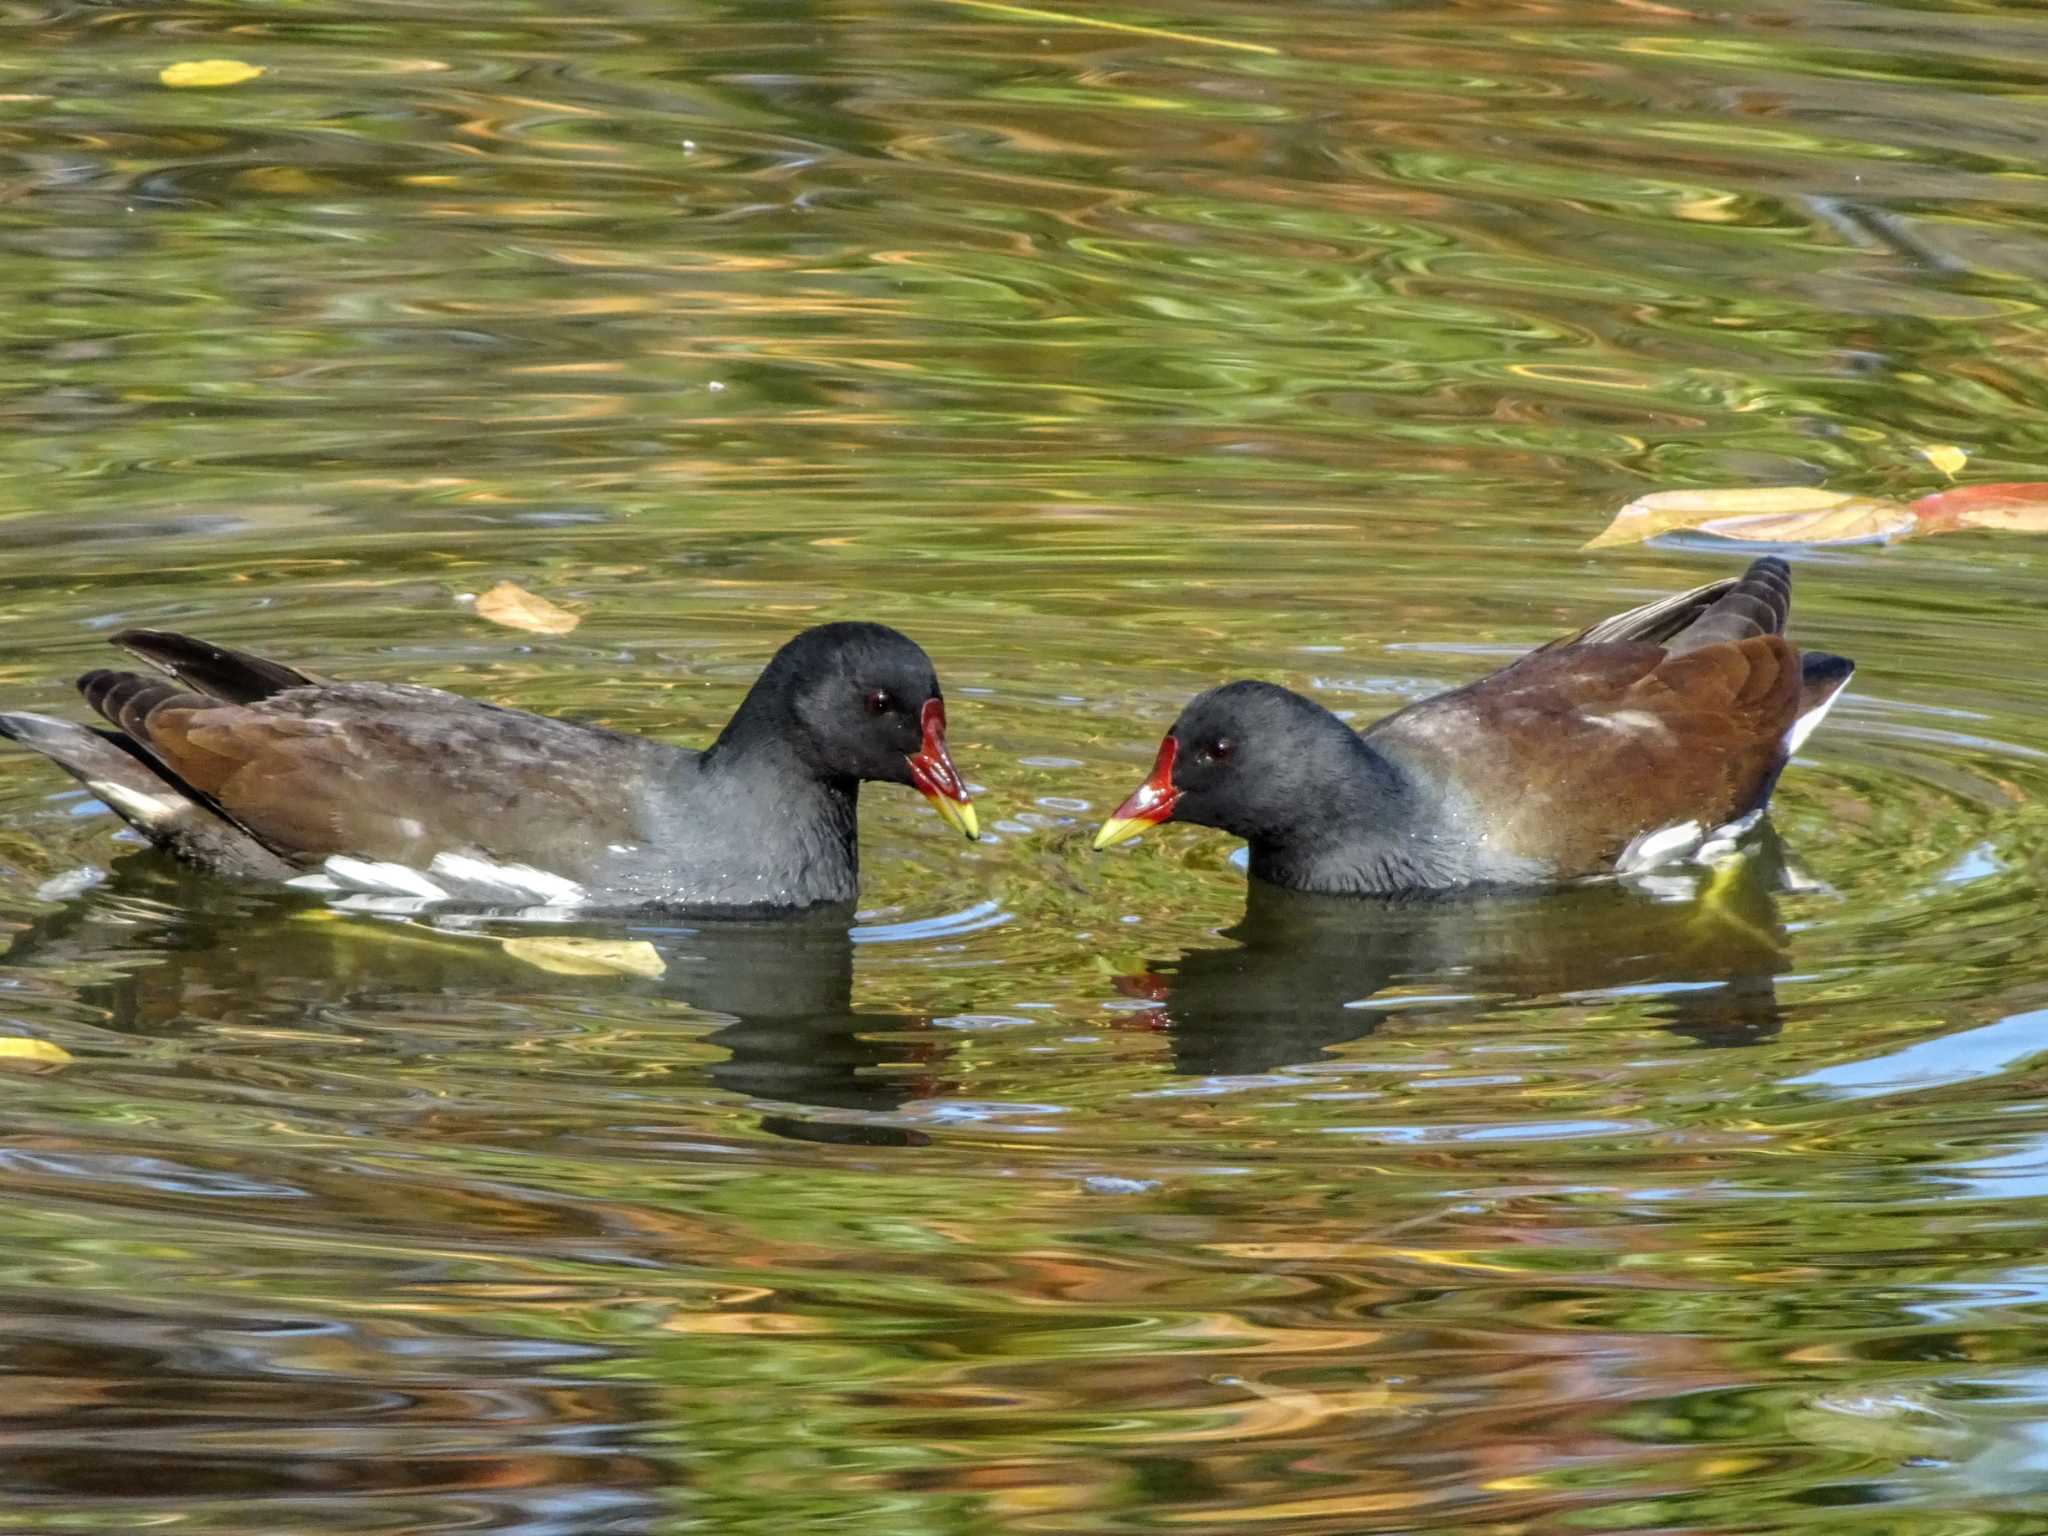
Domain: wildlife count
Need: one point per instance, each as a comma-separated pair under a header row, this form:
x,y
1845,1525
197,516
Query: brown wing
x,y
1588,746
391,772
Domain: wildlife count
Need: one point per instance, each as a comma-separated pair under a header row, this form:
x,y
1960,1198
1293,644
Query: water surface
x,y
1056,1192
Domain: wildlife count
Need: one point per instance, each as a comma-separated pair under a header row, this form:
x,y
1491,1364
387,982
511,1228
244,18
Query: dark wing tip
x,y
236,677
142,639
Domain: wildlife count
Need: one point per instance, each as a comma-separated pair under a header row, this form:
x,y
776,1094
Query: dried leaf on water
x,y
40,1053
207,72
1788,514
568,956
1855,520
517,608
1775,514
2014,506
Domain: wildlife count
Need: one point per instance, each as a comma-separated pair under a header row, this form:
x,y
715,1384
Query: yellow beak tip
x,y
959,815
1119,829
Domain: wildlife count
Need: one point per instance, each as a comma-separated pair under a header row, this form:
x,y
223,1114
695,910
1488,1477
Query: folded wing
x,y
1681,711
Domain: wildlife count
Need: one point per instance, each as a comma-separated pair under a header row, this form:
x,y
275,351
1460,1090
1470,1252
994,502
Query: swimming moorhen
x,y
249,767
1653,736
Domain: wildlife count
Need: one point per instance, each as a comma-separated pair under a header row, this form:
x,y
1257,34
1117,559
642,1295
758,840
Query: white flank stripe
x,y
1663,846
381,878
522,880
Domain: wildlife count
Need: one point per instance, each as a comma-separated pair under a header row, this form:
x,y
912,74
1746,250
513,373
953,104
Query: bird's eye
x,y
1220,749
879,701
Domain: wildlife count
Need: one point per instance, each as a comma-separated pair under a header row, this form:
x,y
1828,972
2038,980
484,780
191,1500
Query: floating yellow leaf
x,y
208,72
1945,457
37,1052
518,608
568,956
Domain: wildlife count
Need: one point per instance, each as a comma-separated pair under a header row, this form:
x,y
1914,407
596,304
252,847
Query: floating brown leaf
x,y
568,956
2016,506
518,608
207,72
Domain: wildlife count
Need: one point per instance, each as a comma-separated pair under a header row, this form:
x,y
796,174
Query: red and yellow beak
x,y
1150,803
932,771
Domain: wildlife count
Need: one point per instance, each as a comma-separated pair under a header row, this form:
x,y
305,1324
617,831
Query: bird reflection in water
x,y
163,952
1298,967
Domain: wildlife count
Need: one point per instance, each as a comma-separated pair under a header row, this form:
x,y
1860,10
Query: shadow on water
x,y
160,942
1306,973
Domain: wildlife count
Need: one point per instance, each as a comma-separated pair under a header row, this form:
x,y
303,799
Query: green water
x,y
1065,1194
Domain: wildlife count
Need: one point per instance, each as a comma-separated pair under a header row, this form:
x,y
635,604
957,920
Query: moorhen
x,y
1654,736
248,767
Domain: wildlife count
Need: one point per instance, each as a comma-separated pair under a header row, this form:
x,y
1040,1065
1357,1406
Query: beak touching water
x,y
932,771
1150,803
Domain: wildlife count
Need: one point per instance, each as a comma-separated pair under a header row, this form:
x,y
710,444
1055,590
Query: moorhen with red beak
x,y
1654,736
252,768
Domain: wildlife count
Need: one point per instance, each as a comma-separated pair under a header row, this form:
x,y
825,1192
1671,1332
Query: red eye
x,y
1221,748
879,702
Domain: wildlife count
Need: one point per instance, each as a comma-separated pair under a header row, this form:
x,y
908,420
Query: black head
x,y
1251,758
859,701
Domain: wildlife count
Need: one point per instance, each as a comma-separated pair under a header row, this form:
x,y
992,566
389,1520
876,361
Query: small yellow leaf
x,y
1945,457
1776,514
39,1052
567,956
207,72
518,608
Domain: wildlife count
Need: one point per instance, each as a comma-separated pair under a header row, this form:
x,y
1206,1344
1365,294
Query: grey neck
x,y
1389,836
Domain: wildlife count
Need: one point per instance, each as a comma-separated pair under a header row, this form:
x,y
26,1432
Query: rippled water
x,y
1065,1192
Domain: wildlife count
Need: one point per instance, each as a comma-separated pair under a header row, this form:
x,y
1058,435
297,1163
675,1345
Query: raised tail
x,y
168,813
1757,603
